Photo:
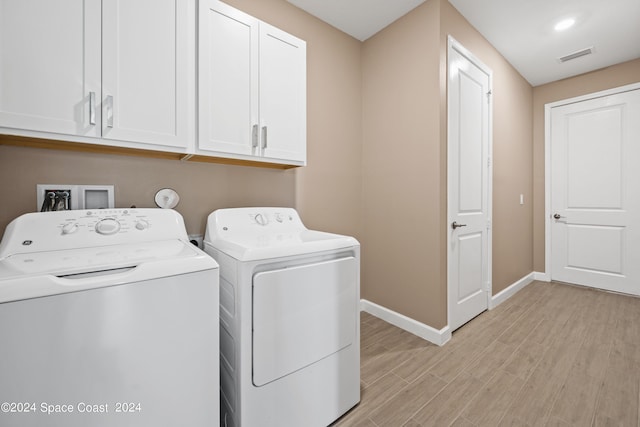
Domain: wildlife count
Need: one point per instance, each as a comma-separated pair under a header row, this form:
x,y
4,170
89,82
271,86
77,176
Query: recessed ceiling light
x,y
564,24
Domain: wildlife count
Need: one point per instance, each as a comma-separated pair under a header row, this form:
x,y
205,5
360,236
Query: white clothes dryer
x,y
107,318
289,319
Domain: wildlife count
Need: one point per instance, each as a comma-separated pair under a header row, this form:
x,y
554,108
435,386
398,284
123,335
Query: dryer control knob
x,y
142,224
107,226
261,219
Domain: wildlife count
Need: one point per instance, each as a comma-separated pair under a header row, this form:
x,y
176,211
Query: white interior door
x,y
469,203
595,192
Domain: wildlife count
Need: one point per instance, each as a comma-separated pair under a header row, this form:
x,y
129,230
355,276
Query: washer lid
x,y
32,275
87,260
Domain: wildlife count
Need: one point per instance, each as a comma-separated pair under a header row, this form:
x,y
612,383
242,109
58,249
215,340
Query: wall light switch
x,y
522,199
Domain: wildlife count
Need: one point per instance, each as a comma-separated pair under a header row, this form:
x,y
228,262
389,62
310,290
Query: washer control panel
x,y
106,222
59,230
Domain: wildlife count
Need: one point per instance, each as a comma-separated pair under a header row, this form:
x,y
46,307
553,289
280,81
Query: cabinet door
x,y
283,87
145,71
50,65
228,80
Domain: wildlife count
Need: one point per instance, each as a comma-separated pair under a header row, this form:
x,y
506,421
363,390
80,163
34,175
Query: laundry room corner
x,y
328,190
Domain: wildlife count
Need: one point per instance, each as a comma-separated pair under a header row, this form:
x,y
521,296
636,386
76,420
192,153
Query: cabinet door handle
x,y
264,137
110,111
92,108
254,136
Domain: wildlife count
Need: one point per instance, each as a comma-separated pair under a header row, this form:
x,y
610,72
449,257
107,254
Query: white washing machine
x,y
107,318
289,319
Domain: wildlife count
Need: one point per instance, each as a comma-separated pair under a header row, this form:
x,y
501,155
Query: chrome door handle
x,y
455,225
110,111
264,137
558,216
92,108
254,136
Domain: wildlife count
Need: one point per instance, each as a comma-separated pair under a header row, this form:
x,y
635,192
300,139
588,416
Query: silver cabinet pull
x,y
455,225
109,111
254,136
264,137
92,108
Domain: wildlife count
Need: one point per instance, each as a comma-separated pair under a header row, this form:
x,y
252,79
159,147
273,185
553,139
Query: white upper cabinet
x,y
117,70
252,88
228,80
50,66
283,89
145,70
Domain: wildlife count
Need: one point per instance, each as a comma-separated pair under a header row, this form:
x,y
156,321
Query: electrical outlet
x,y
198,238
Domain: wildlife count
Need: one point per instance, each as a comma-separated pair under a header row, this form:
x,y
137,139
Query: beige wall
x,y
402,250
202,187
404,163
327,192
606,78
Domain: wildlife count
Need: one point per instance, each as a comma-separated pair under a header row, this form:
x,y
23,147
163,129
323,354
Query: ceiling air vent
x,y
578,54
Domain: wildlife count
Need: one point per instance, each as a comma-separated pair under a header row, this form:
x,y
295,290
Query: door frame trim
x,y
547,160
453,44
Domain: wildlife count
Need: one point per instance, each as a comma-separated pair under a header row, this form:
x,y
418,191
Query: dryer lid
x,y
248,234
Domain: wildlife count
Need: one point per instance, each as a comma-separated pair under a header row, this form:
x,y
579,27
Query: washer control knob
x,y
107,226
261,219
142,224
279,217
69,228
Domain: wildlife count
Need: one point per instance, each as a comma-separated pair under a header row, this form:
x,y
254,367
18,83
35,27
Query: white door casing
x,y
469,186
593,217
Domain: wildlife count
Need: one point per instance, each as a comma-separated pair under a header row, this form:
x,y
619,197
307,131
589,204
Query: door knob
x,y
557,216
455,225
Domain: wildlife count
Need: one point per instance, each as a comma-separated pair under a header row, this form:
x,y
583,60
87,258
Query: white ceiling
x,y
521,30
358,18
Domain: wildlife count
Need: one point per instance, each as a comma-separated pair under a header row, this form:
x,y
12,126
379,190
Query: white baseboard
x,y
438,337
542,277
511,290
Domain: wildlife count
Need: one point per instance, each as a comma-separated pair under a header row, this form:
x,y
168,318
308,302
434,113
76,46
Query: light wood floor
x,y
552,355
